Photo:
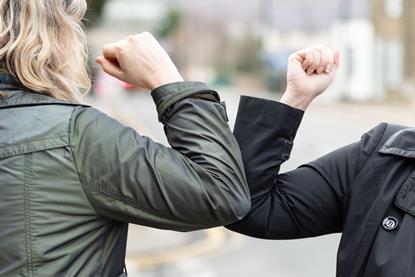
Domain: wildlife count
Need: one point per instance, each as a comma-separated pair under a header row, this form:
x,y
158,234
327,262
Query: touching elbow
x,y
238,206
242,210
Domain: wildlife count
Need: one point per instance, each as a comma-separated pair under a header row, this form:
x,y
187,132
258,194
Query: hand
x,y
139,60
310,72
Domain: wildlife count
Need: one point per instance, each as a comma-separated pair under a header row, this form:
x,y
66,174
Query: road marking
x,y
214,240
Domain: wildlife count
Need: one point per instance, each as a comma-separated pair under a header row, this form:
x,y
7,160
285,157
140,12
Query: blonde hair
x,y
43,45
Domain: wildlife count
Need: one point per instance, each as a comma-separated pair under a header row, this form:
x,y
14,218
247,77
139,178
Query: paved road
x,y
325,127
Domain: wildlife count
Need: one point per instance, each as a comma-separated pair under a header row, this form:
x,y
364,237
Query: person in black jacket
x,y
366,190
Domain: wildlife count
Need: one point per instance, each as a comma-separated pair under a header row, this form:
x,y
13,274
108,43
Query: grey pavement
x,y
326,126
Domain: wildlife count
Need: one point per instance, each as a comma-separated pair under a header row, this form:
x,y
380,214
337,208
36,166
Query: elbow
x,y
242,210
236,208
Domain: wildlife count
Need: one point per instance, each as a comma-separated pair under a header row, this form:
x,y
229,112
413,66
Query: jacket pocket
x,y
33,146
405,198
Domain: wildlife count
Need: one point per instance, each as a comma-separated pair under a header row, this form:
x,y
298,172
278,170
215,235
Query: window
x,y
394,8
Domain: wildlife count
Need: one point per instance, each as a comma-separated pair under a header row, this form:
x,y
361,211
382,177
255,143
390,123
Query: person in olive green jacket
x,y
72,178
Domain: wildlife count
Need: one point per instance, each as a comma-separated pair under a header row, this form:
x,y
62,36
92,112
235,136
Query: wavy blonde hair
x,y
43,45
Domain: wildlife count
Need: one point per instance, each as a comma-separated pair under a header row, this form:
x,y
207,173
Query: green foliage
x,y
249,60
169,24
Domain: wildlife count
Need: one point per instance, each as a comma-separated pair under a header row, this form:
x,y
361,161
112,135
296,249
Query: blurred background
x,y
241,47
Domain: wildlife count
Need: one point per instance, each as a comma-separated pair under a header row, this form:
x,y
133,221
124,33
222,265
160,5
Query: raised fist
x,y
310,72
139,60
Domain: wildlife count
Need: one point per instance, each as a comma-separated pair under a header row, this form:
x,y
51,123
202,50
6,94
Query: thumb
x,y
110,68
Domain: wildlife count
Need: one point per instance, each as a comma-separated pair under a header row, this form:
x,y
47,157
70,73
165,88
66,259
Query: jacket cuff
x,y
166,96
283,119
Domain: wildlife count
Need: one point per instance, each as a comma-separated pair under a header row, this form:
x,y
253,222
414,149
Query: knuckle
x,y
118,48
147,35
319,51
107,47
131,38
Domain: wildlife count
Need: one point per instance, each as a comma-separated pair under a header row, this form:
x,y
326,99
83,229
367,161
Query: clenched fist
x,y
310,72
140,61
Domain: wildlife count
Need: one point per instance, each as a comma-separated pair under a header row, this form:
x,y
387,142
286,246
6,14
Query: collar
x,y
401,144
16,95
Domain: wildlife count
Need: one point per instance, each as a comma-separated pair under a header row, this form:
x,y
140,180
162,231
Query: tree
x,y
250,60
169,24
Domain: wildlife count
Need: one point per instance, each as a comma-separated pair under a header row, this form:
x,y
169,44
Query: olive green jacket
x,y
72,178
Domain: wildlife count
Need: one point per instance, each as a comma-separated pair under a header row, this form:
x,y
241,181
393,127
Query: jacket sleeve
x,y
198,183
306,202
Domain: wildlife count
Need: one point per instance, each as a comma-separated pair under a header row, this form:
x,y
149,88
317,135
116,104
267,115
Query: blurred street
x,y
72,178
218,252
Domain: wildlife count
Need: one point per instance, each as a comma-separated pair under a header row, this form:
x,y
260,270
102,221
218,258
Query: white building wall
x,y
144,13
356,77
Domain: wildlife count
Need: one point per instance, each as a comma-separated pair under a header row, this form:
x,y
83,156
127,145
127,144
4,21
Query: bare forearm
x,y
296,101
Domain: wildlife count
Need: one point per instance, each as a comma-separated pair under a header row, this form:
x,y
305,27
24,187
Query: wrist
x,y
165,80
296,101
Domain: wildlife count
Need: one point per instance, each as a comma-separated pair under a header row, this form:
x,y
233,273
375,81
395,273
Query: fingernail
x,y
329,68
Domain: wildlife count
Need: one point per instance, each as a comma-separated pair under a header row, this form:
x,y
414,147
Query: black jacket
x,y
366,191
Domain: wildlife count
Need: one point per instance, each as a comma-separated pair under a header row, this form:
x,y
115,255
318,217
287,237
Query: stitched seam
x,y
111,193
74,159
32,149
167,103
408,186
114,195
399,151
125,200
179,92
71,120
187,93
27,213
33,141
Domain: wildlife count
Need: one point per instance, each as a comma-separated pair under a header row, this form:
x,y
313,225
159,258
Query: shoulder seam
x,y
71,119
385,126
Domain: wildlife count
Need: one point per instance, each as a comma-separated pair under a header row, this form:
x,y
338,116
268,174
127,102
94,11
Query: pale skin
x,y
142,62
310,73
139,60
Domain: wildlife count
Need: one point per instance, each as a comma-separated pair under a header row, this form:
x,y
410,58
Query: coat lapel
x,y
401,144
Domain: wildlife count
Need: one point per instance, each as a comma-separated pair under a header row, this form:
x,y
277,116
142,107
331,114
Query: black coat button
x,y
390,223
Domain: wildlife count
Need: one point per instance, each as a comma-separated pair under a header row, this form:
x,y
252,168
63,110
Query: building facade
x,y
409,42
